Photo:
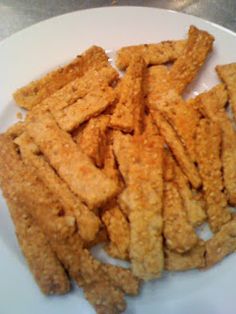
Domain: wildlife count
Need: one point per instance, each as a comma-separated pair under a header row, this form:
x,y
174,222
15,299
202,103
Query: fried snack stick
x,y
73,166
183,118
177,149
83,98
178,232
185,68
129,111
208,144
195,258
88,223
21,183
212,104
118,230
35,92
222,244
163,52
195,213
92,139
227,73
140,161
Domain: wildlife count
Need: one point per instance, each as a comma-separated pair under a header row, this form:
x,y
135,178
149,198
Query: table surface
x,y
18,14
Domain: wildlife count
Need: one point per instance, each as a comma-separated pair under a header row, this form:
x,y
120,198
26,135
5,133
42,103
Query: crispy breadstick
x,y
43,263
140,161
74,167
159,53
177,148
118,231
227,73
183,118
129,111
92,139
178,232
20,182
222,244
35,92
88,222
195,258
208,144
185,68
195,213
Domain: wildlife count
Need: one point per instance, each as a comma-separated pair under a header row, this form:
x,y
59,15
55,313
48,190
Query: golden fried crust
x,y
35,92
185,68
178,232
17,180
43,263
222,244
183,118
208,157
195,212
159,53
92,139
73,166
88,222
177,149
128,114
140,161
118,231
195,258
227,73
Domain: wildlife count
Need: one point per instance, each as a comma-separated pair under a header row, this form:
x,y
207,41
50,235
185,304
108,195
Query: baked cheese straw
x,y
178,232
221,244
88,222
195,258
118,230
183,118
212,104
129,111
35,92
177,149
159,53
92,139
140,161
227,73
42,261
73,166
208,145
186,67
20,182
195,213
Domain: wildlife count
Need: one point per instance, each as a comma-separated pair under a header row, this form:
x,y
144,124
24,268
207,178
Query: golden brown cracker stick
x,y
140,161
73,166
129,111
195,258
92,139
20,182
15,130
227,73
159,53
177,148
35,92
118,230
178,232
221,244
195,212
88,222
169,171
183,118
208,145
42,261
185,68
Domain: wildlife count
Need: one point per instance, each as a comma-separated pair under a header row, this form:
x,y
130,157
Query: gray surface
x,y
18,14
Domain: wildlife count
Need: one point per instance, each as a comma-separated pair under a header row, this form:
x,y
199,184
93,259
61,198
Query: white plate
x,y
30,53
